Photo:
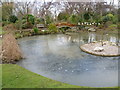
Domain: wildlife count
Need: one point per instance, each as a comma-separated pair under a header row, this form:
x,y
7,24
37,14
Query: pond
x,y
59,57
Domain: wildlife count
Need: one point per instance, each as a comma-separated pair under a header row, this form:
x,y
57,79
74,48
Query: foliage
x,y
31,18
97,18
27,25
39,21
35,30
24,21
105,19
115,19
18,35
119,15
87,16
81,19
73,19
63,16
13,18
48,20
110,16
52,28
28,21
113,27
6,11
118,26
1,31
4,23
18,24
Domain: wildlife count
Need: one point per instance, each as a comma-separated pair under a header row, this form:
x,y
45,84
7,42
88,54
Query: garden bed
x,y
108,48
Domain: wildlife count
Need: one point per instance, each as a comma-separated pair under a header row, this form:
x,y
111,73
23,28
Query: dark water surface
x,y
59,57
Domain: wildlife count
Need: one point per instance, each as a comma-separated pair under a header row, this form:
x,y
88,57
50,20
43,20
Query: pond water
x,y
59,57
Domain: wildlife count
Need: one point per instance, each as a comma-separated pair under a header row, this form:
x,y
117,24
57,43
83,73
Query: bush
x,y
4,23
73,19
115,19
35,30
118,26
27,25
28,21
52,28
13,18
48,20
63,16
81,18
108,23
113,26
101,26
18,24
9,27
87,16
105,19
24,21
110,17
31,19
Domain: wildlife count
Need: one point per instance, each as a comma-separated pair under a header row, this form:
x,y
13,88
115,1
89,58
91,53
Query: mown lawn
x,y
1,30
0,76
15,76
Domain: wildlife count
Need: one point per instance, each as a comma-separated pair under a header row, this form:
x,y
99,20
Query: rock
x,y
42,30
98,23
78,23
0,36
118,44
113,44
87,28
104,43
94,42
98,49
91,29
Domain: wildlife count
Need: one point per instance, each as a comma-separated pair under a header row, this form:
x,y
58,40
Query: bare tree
x,y
22,8
7,9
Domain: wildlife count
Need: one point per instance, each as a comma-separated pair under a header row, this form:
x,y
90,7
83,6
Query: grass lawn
x,y
1,30
15,76
0,76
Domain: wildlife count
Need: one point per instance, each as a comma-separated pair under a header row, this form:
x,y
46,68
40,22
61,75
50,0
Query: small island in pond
x,y
102,48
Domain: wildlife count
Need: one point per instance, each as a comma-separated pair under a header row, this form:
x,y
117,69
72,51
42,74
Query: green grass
x,y
15,76
1,30
0,76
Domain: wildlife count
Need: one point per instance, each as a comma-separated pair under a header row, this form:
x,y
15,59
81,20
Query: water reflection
x,y
113,39
60,58
89,37
92,37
